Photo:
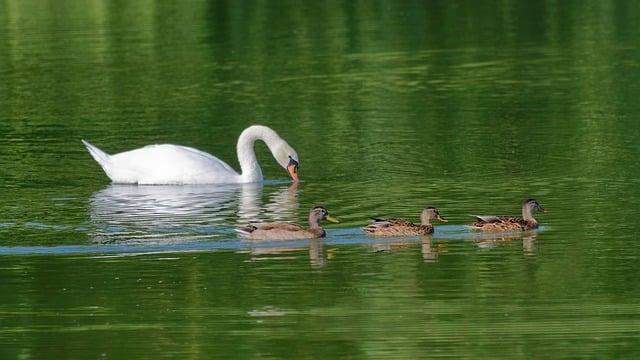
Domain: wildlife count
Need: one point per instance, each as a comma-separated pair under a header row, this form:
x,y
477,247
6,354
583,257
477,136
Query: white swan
x,y
174,164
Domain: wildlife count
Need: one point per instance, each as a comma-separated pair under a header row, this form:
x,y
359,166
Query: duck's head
x,y
532,205
430,213
319,213
287,157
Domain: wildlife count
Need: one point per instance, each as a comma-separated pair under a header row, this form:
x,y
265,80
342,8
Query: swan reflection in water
x,y
165,215
159,214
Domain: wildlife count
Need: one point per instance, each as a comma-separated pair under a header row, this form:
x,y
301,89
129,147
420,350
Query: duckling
x,y
400,227
510,223
286,231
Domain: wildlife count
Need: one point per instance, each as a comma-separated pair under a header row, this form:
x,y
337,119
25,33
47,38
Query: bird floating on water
x,y
510,223
178,165
400,227
287,231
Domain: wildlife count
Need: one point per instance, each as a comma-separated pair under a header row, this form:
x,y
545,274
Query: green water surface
x,y
392,106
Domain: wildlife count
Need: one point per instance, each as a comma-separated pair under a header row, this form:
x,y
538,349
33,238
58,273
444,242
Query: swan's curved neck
x,y
249,166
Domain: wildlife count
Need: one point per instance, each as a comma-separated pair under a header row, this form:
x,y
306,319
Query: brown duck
x,y
286,231
510,223
400,227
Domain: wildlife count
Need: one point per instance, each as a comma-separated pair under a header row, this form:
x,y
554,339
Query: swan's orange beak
x,y
293,169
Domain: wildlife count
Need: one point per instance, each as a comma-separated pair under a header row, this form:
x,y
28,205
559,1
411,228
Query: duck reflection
x,y
166,214
429,250
317,258
488,241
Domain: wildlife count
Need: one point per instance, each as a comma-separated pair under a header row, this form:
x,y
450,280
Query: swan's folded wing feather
x,y
169,164
205,156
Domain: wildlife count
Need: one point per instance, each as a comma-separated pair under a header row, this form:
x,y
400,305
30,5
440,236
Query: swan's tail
x,y
100,156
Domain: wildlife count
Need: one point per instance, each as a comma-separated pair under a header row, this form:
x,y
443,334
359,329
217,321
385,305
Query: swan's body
x,y
175,164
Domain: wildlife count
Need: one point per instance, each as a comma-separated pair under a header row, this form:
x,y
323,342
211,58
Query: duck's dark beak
x,y
441,218
541,209
292,168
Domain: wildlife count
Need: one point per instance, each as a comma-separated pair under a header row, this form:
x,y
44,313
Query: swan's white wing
x,y
169,164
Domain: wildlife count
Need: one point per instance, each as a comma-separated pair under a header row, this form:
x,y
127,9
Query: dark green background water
x,y
392,106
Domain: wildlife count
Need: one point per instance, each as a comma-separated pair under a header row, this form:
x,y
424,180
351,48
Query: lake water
x,y
392,107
